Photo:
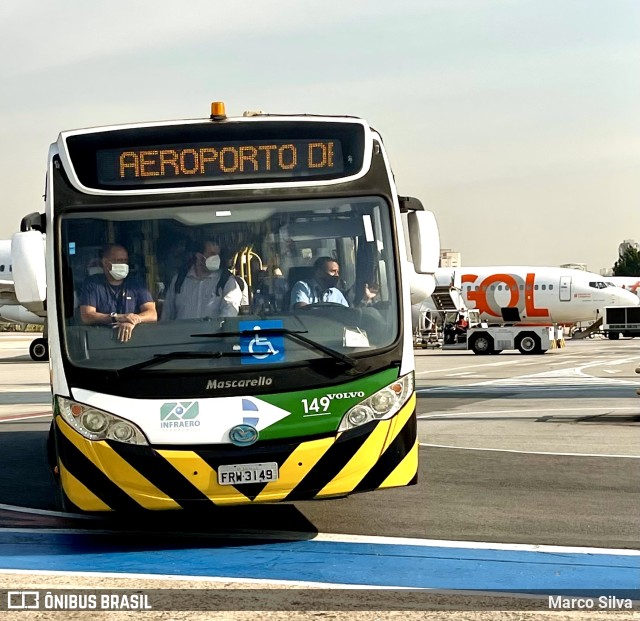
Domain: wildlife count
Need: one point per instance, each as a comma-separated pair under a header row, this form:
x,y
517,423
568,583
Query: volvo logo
x,y
243,435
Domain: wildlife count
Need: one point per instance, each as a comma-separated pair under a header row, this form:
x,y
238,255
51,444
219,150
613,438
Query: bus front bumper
x,y
110,476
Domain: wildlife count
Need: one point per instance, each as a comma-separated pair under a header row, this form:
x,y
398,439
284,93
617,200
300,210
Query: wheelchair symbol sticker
x,y
261,349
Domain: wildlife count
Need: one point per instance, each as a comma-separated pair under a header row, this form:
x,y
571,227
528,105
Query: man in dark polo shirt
x,y
113,298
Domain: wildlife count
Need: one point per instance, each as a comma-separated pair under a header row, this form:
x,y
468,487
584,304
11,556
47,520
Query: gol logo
x,y
484,296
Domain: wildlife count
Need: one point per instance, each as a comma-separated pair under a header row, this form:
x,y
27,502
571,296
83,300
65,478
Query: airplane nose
x,y
626,298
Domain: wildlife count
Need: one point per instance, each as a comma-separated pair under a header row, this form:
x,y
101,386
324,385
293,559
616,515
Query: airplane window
x,y
499,287
493,287
1,268
544,287
550,287
521,287
536,287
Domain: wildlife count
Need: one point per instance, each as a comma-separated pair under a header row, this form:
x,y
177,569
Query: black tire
x,y
613,336
481,344
39,350
497,351
528,343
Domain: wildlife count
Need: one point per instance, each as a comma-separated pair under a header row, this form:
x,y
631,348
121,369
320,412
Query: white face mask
x,y
94,271
119,271
213,263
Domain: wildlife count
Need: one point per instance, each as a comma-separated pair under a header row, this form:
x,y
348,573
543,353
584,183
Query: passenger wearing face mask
x,y
204,288
111,297
321,288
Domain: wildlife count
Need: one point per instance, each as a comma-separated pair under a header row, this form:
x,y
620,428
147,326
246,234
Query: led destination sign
x,y
204,161
209,154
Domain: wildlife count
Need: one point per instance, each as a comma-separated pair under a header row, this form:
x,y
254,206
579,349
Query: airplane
x,y
10,309
541,295
630,283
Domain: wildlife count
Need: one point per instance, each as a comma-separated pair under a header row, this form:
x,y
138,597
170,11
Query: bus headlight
x,y
95,424
380,405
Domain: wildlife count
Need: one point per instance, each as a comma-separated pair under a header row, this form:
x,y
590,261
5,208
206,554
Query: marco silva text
x,y
604,602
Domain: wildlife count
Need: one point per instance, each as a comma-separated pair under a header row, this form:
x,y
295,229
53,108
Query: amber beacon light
x,y
217,111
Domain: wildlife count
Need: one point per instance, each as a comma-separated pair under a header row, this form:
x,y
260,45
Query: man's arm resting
x,y
147,314
89,315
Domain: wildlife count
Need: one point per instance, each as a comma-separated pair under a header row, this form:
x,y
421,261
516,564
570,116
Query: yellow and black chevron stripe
x,y
111,476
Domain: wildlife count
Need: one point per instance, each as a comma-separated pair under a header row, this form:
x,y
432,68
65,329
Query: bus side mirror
x,y
28,267
424,239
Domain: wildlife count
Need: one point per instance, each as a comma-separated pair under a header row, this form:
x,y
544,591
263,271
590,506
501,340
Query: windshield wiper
x,y
295,335
179,355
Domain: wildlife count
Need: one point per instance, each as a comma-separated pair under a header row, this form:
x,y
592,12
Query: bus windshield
x,y
316,276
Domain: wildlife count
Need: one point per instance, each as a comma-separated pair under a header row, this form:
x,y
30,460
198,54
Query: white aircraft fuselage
x,y
542,295
10,309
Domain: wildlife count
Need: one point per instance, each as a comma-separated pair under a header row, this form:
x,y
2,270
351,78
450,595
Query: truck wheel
x,y
528,343
39,350
482,344
613,336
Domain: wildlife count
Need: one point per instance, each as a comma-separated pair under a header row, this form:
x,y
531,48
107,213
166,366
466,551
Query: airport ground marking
x,y
188,578
26,416
47,512
279,535
448,415
325,559
500,450
518,360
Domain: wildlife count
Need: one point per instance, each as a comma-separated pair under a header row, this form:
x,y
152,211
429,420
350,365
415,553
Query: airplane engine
x,y
422,286
19,314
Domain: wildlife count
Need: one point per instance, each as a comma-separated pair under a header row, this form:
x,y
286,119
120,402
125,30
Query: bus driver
x,y
322,287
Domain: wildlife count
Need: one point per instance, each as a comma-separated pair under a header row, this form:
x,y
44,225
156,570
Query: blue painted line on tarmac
x,y
384,565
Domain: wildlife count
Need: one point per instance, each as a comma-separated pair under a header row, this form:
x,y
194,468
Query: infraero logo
x,y
179,415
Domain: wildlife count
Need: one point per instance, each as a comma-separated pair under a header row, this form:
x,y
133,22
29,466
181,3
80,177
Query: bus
x,y
266,402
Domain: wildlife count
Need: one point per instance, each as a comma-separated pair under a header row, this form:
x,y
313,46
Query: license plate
x,y
238,474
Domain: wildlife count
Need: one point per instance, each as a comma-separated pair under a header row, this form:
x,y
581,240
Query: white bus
x,y
261,402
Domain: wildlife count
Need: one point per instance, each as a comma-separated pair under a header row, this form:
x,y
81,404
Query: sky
x,y
515,121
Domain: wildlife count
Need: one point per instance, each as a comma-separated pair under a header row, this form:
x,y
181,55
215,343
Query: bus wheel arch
x,y
62,502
